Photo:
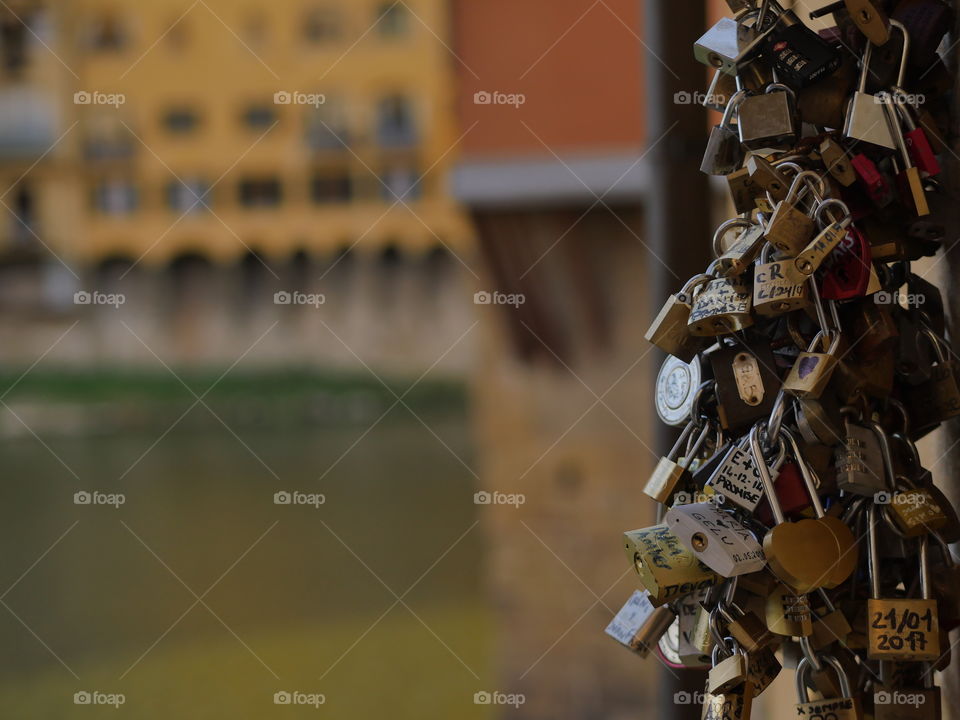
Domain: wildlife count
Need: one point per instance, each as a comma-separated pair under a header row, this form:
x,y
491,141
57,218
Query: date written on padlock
x,y
714,536
738,479
903,629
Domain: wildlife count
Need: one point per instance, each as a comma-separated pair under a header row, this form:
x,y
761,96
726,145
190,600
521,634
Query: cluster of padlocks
x,y
798,527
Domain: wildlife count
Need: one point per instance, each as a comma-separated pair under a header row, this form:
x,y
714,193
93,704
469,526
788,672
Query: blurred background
x,y
321,334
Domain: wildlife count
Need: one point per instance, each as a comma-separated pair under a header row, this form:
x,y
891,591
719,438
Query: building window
x,y
181,120
396,126
400,183
331,186
108,33
115,197
189,196
326,126
322,24
394,19
259,117
106,138
260,192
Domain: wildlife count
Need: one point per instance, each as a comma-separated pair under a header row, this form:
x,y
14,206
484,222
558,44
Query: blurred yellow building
x,y
219,128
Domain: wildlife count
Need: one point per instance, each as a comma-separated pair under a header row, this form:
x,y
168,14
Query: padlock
x,y
915,511
728,45
805,555
909,181
938,397
678,646
669,330
742,252
744,192
872,180
668,473
798,54
639,625
840,708
729,672
856,459
720,306
747,383
900,702
900,628
735,704
877,330
847,272
870,19
737,478
788,613
829,625
819,420
778,288
677,390
866,118
837,162
769,119
767,176
831,233
918,144
824,104
665,567
716,538
790,228
812,370
750,632
724,154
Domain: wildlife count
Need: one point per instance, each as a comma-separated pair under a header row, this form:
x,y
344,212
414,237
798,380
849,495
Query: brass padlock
x,y
900,628
742,252
830,625
745,194
735,704
812,370
837,162
730,672
669,330
778,288
765,174
916,512
720,306
668,473
866,119
790,228
746,628
666,568
841,708
831,234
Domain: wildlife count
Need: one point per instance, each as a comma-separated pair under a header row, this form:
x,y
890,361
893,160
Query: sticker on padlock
x,y
716,538
737,478
639,625
676,390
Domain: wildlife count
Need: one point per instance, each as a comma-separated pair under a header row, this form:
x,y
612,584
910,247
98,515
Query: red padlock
x,y
872,180
918,144
791,492
845,274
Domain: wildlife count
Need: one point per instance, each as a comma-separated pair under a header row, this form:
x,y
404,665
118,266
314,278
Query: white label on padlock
x,y
627,623
687,621
738,480
721,543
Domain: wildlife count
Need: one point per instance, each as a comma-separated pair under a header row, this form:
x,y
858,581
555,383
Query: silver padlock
x,y
856,459
728,45
716,538
639,625
866,118
769,120
737,478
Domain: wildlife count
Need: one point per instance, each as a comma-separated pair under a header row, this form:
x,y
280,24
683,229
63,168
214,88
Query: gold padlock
x,y
721,306
666,568
812,371
669,330
790,228
778,288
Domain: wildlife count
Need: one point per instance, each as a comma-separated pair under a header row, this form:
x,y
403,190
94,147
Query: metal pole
x,y
678,205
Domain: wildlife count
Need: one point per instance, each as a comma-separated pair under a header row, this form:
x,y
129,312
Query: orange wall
x,y
578,62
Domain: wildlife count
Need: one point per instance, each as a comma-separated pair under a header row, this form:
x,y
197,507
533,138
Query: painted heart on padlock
x,y
803,554
807,365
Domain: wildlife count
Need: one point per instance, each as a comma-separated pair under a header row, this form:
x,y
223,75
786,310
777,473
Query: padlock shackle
x,y
889,473
873,552
803,673
724,228
805,473
905,54
764,472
